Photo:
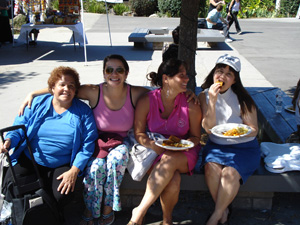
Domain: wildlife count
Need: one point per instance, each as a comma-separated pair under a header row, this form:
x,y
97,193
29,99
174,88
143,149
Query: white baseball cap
x,y
231,61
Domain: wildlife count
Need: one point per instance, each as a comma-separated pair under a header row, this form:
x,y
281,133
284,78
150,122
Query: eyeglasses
x,y
110,70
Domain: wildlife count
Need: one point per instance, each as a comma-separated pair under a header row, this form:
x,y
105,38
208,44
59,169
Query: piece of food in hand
x,y
220,82
236,131
174,142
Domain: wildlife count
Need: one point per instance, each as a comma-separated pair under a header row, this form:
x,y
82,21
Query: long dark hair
x,y
296,94
245,100
169,68
119,57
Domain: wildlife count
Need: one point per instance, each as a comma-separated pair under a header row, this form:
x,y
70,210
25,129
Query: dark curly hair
x,y
60,71
169,68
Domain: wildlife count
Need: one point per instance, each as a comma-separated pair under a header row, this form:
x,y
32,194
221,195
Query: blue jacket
x,y
84,124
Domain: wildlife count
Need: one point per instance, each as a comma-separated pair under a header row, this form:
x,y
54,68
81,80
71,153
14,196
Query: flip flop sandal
x,y
87,219
106,217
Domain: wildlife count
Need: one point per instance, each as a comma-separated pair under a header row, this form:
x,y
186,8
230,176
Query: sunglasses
x,y
110,70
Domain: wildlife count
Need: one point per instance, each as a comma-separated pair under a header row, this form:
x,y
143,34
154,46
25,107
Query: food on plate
x,y
220,82
236,131
174,142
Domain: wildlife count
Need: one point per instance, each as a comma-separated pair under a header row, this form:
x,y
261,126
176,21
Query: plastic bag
x,y
5,213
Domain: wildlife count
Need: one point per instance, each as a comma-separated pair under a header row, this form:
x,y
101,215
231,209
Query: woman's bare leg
x,y
169,198
228,189
158,179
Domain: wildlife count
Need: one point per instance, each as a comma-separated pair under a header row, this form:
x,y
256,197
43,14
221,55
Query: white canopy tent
x,y
82,21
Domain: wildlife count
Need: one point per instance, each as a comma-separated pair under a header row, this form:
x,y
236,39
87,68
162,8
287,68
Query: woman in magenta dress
x,y
166,111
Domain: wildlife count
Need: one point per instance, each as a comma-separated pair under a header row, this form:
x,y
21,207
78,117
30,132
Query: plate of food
x,y
174,143
231,130
289,108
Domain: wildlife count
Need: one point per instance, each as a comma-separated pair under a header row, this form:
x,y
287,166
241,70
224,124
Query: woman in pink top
x,y
166,111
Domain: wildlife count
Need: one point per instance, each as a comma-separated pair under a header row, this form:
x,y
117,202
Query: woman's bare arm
x,y
140,122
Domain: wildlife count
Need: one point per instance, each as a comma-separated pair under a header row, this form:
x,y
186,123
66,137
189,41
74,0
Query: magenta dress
x,y
176,124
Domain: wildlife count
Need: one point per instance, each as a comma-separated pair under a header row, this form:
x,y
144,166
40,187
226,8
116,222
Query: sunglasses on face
x,y
110,70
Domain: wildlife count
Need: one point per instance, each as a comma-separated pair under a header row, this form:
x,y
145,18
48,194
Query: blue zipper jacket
x,y
83,121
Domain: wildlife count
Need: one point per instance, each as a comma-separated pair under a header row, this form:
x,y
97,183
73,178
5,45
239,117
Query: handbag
x,y
31,204
141,158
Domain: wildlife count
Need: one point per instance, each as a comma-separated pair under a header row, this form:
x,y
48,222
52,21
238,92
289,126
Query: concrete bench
x,y
259,189
141,36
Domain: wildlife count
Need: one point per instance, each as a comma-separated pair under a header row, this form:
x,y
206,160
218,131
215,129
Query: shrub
x,y
144,7
55,4
170,7
289,8
94,7
119,9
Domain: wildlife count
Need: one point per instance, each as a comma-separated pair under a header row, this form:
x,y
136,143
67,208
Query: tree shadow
x,y
67,53
9,77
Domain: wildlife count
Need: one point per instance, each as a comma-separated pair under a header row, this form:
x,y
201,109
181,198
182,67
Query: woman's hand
x,y
27,102
213,92
191,95
68,180
4,147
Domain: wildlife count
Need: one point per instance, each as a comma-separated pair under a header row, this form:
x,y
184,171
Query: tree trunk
x,y
188,37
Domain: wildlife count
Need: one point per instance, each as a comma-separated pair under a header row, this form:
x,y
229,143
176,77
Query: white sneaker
x,y
238,33
228,40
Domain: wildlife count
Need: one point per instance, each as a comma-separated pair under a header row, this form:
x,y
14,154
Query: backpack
x,y
202,23
228,5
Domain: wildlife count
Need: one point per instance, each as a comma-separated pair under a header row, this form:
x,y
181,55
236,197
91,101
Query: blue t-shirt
x,y
52,146
214,16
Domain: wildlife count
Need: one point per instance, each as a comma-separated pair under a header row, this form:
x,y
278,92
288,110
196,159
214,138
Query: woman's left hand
x,y
191,95
68,180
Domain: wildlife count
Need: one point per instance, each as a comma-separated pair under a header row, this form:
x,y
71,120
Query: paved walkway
x,y
260,48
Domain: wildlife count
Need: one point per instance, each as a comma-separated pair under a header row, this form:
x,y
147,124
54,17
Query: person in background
x,y
166,111
228,162
172,50
214,3
5,29
213,18
233,11
295,136
62,133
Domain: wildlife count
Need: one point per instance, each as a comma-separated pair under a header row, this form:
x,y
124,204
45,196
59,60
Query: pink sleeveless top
x,y
112,121
178,122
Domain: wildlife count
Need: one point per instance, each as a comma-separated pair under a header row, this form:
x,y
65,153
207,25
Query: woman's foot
x,y
107,219
86,218
137,217
225,217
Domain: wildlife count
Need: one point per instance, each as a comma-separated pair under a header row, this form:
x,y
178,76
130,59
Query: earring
x,y
168,93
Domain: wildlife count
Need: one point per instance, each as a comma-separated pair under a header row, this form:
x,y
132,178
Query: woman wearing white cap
x,y
228,162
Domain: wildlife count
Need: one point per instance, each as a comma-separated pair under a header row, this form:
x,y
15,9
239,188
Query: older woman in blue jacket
x,y
62,133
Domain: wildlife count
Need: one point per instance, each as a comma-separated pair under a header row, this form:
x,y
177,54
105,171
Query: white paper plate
x,y
185,142
222,128
289,108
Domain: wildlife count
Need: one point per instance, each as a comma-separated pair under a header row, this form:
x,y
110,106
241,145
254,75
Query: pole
x,y
108,23
12,21
83,31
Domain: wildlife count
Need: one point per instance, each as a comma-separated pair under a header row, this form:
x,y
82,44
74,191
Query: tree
x,y
188,37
